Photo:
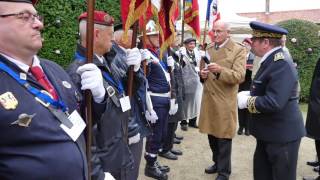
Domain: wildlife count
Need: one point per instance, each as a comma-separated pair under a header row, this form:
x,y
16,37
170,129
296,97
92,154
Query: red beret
x,y
99,17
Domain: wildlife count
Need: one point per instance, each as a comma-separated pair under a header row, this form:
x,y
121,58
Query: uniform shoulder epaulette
x,y
278,56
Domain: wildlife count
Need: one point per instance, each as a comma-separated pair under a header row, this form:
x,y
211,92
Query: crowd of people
x,y
42,105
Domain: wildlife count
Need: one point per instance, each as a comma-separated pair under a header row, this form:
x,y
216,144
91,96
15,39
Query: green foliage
x,y
61,26
307,35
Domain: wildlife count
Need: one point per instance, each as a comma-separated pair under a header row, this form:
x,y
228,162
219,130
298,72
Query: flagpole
x,y
144,38
182,30
205,33
88,95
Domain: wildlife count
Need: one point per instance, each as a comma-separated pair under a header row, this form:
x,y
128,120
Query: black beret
x,y
188,40
261,30
22,1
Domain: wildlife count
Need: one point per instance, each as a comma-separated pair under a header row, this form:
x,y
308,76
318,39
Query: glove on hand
x,y
108,176
134,139
151,116
134,58
91,79
173,107
170,62
243,97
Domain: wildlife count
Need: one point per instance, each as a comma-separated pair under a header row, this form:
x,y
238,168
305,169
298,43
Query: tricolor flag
x,y
212,15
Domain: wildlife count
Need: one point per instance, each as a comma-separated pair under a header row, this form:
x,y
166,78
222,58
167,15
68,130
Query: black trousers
x,y
275,161
221,154
244,118
136,150
168,142
317,143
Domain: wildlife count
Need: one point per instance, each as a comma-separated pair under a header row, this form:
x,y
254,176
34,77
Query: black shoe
x,y
310,178
176,141
169,155
313,163
246,132
193,123
176,152
220,177
316,169
155,172
240,131
165,169
184,127
179,137
211,169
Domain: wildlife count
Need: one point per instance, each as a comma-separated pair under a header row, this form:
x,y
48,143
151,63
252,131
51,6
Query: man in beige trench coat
x,y
218,115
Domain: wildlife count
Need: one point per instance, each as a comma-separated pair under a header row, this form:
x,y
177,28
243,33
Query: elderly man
x,y
277,122
111,140
218,115
40,127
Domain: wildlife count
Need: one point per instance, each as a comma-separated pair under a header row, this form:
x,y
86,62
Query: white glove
x,y
173,107
134,58
134,139
145,54
170,62
91,78
183,51
151,116
108,176
243,97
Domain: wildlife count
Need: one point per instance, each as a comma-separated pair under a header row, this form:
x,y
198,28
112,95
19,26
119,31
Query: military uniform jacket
x,y
42,150
111,148
313,116
276,115
218,114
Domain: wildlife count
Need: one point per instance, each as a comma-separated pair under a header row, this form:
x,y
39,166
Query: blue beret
x,y
263,30
21,1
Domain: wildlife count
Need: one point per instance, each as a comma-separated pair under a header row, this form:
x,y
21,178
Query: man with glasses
x,y
218,116
40,128
277,122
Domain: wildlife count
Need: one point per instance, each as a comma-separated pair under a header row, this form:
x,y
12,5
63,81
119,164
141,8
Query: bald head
x,y
221,32
121,40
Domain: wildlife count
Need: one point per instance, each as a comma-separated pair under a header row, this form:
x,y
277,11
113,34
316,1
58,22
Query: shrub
x,y
305,51
61,26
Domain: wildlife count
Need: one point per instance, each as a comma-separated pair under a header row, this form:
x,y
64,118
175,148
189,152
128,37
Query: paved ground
x,y
197,156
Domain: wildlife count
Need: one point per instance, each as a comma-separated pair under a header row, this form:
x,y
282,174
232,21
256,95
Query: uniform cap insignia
x,y
278,56
8,101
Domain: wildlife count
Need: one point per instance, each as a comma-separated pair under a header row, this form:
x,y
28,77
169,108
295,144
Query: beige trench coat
x,y
218,115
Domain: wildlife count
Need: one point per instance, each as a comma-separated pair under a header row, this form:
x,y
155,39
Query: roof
x,y
312,15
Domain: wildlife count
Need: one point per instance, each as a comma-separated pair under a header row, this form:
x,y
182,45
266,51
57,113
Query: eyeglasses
x,y
25,16
218,31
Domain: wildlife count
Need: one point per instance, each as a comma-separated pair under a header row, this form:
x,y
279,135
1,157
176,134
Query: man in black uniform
x,y
312,122
110,134
277,122
36,98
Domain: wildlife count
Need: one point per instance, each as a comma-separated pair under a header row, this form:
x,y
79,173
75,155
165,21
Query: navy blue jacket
x,y
279,118
42,150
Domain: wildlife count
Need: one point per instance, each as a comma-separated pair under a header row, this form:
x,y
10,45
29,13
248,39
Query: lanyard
x,y
78,57
110,80
37,93
106,75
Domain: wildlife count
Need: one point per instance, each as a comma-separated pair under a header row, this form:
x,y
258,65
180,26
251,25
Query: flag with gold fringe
x,y
167,17
131,11
191,17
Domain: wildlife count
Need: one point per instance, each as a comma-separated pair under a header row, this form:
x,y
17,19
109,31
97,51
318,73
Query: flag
x,y
191,16
131,11
212,16
167,16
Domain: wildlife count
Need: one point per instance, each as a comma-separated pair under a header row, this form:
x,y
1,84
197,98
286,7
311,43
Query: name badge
x,y
78,126
125,103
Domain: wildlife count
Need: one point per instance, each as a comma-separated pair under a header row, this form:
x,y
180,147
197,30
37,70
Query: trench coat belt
x,y
160,94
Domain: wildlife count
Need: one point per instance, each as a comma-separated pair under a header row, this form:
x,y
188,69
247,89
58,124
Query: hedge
x,y
305,51
61,26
